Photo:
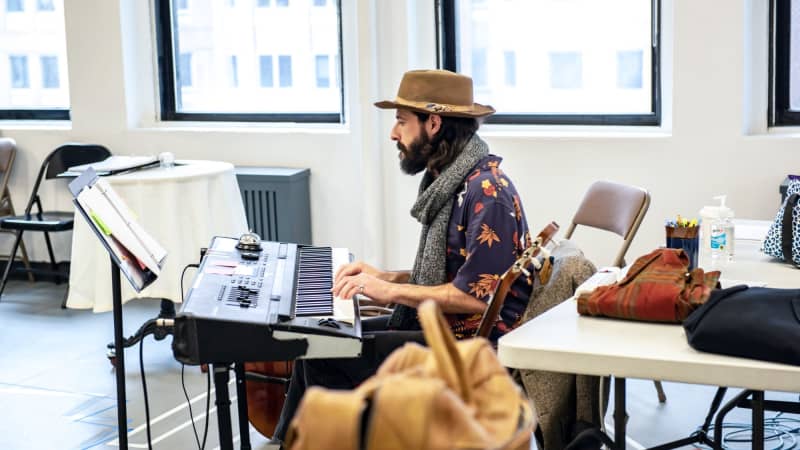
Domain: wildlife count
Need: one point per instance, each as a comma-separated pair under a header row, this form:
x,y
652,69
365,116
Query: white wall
x,y
714,138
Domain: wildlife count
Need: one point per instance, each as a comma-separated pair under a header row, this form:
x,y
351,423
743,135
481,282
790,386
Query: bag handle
x,y
786,228
443,346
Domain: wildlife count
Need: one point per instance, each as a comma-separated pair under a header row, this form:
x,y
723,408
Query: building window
x,y
319,2
285,70
510,60
50,72
282,48
566,70
19,72
234,75
323,71
784,98
554,62
480,71
15,5
629,69
185,70
45,5
265,67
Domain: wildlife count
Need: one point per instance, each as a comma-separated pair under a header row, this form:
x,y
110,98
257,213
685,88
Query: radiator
x,y
277,202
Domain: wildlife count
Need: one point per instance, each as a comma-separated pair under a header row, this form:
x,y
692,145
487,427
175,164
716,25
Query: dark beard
x,y
414,160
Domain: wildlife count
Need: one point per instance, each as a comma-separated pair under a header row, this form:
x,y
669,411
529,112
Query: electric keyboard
x,y
271,304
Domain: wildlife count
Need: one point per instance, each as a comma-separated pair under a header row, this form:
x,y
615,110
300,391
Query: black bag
x,y
758,323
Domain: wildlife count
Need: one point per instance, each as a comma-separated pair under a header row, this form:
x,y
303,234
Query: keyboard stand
x,y
223,403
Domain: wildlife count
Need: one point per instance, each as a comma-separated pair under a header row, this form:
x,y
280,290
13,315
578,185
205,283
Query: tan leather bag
x,y
452,395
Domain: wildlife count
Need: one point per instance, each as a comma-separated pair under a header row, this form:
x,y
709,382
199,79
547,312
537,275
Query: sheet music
x,y
116,164
139,256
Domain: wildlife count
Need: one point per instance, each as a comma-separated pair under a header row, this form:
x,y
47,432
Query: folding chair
x,y
58,161
617,208
8,150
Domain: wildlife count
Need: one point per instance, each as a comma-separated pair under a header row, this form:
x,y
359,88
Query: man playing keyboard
x,y
473,229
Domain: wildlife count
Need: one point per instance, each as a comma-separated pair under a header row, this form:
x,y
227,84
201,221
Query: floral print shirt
x,y
486,234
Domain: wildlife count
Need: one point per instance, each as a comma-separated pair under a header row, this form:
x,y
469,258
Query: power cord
x,y
784,430
191,414
200,445
144,389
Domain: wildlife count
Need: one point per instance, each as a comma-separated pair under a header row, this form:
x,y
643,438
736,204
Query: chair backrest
x,y
8,150
62,158
613,207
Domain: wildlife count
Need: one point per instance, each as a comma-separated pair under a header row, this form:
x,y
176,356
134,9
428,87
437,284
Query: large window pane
x,y
785,63
546,61
280,53
33,60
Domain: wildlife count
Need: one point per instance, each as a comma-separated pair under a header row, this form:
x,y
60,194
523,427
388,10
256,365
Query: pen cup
x,y
687,239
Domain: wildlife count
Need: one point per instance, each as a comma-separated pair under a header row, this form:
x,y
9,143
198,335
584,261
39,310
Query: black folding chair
x,y
58,161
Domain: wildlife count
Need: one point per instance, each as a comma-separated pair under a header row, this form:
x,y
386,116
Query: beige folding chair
x,y
617,208
8,150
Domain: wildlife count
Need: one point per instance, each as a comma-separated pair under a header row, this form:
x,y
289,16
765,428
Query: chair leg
x,y
662,397
53,265
26,262
11,256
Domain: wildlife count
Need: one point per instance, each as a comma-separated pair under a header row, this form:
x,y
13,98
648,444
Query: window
x,y
265,66
319,2
273,60
14,5
33,69
566,70
510,60
234,75
19,72
45,5
784,108
285,70
555,62
183,4
185,70
323,71
50,72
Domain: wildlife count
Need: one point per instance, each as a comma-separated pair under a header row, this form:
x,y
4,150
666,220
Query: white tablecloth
x,y
181,207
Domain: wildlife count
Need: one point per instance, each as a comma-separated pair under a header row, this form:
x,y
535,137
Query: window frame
x,y
447,58
165,45
780,32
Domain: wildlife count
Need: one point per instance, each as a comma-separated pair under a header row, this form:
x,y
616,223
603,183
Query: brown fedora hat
x,y
437,92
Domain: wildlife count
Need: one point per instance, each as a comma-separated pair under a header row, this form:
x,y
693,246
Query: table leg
x,y
620,415
758,420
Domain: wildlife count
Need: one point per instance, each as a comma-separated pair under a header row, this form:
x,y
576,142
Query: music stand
x,y
122,260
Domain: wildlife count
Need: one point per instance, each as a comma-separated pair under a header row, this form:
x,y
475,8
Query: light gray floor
x,y
57,387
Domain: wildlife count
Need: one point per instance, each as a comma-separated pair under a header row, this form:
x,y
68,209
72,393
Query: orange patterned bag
x,y
657,288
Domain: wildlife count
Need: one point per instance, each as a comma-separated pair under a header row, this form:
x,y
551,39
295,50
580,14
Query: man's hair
x,y
447,144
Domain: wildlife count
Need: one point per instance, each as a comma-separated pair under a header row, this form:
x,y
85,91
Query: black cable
x,y
183,273
191,414
200,445
144,389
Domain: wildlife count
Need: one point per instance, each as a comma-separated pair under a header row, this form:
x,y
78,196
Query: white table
x,y
560,340
182,207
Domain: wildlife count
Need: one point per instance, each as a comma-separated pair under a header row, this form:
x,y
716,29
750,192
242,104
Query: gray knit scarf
x,y
432,209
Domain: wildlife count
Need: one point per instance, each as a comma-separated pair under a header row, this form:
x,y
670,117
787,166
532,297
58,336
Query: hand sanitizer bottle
x,y
722,233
